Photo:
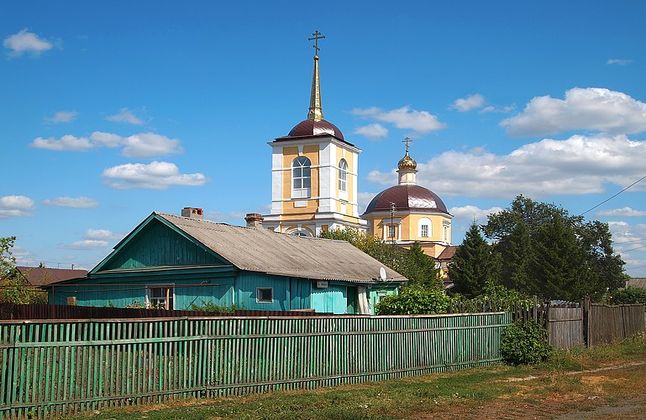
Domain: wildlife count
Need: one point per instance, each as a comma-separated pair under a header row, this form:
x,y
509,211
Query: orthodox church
x,y
315,184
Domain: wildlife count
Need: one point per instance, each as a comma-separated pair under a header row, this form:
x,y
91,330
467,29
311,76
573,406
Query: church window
x,y
391,231
425,228
301,177
343,176
264,295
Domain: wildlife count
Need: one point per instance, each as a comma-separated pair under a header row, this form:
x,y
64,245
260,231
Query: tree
x,y
7,260
473,265
12,287
413,264
549,253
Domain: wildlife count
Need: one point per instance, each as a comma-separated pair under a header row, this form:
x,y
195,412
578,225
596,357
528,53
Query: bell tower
x,y
314,172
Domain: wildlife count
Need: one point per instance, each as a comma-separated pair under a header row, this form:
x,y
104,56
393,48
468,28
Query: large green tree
x,y
473,265
550,253
412,263
13,288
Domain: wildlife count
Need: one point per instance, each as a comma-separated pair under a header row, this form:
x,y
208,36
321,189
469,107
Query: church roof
x,y
312,128
407,197
262,250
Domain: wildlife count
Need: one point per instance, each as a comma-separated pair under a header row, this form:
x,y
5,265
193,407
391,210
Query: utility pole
x,y
392,222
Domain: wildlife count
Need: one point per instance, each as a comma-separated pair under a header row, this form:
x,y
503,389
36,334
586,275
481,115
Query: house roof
x,y
447,253
637,282
262,250
43,276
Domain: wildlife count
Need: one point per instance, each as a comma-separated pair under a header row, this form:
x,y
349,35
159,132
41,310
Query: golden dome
x,y
407,162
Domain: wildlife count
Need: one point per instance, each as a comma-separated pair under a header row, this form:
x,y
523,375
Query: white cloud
x,y
101,234
62,117
364,198
73,202
136,145
473,213
619,61
67,142
404,117
125,116
372,131
26,42
15,206
155,175
578,165
88,244
624,211
470,102
594,109
498,109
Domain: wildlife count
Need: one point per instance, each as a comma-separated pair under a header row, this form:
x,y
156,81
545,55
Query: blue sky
x,y
111,110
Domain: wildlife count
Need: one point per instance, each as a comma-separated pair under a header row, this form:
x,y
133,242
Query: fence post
x,y
586,320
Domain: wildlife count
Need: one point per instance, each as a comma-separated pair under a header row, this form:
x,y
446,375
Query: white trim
x,y
159,286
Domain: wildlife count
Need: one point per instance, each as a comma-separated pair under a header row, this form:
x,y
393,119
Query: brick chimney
x,y
193,213
254,220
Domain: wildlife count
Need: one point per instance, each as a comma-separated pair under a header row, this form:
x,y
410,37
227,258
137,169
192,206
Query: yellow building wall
x,y
289,154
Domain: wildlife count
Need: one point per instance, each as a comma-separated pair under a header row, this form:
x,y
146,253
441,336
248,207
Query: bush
x,y
629,295
214,308
524,343
414,301
495,297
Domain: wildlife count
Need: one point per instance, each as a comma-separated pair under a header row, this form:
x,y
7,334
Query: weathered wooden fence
x,y
565,326
608,323
61,367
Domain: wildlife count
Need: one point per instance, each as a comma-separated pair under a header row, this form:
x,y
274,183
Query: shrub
x,y
214,308
629,295
524,343
495,297
414,301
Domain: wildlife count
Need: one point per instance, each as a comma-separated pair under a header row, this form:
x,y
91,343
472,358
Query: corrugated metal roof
x,y
261,250
639,282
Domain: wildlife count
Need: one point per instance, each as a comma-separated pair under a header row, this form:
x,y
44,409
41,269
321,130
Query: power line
x,y
610,198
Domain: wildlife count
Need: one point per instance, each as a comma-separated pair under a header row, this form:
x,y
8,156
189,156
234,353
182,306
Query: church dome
x,y
315,128
407,197
407,162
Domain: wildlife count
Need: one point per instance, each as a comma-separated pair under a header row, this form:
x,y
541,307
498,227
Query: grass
x,y
455,392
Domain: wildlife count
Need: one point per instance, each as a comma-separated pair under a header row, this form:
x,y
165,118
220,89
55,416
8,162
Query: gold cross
x,y
315,37
407,141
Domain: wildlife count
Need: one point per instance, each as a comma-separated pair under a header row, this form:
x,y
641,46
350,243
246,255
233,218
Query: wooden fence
x,y
565,326
45,311
61,367
608,323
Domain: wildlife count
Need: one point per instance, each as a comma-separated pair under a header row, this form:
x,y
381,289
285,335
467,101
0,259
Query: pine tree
x,y
473,264
519,256
420,268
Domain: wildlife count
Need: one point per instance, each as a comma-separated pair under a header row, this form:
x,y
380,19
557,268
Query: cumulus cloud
x,y
578,165
372,131
619,61
155,175
73,202
101,234
473,213
125,116
498,109
593,109
624,212
62,117
24,42
67,142
136,145
470,102
404,117
15,206
88,244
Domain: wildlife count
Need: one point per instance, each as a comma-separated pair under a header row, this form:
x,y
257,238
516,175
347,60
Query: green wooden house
x,y
176,262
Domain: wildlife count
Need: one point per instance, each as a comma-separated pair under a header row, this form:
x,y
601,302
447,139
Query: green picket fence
x,y
65,366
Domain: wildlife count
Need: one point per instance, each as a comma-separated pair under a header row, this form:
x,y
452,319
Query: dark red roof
x,y
311,128
42,276
407,197
447,253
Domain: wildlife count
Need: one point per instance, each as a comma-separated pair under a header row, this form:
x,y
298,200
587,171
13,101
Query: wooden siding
x,y
332,299
158,245
57,368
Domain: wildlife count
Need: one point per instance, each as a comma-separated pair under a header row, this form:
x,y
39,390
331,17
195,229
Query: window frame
x,y
429,226
258,300
342,177
169,297
300,166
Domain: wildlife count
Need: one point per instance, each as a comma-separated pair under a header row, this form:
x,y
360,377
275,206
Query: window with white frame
x,y
160,297
264,295
301,177
343,176
425,228
391,231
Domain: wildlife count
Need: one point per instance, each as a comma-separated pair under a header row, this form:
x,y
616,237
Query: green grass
x,y
397,398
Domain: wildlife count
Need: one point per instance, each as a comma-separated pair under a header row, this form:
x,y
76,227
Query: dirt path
x,y
610,392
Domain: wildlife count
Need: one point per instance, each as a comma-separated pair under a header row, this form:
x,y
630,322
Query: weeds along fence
x,y
58,367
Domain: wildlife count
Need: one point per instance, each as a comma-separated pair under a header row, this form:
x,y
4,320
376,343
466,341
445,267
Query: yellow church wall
x,y
289,207
436,230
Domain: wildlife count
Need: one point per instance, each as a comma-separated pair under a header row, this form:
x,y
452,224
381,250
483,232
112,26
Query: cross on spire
x,y
315,37
407,141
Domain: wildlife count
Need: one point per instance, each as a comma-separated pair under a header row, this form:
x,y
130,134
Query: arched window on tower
x,y
301,177
343,176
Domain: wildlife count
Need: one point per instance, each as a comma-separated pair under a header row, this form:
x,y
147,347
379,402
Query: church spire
x,y
407,167
315,112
